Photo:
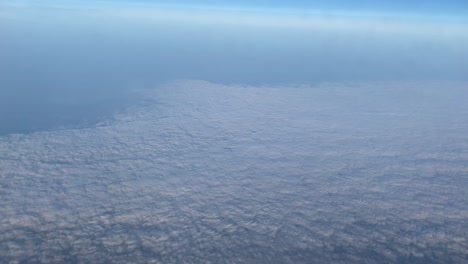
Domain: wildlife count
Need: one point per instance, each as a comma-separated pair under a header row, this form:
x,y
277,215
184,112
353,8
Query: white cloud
x,y
217,172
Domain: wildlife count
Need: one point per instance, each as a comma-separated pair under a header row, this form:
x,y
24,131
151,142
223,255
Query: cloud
x,y
337,172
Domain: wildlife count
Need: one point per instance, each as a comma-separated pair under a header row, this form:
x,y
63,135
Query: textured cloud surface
x,y
342,173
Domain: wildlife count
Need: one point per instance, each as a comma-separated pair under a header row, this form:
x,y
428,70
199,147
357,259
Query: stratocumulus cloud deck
x,y
351,172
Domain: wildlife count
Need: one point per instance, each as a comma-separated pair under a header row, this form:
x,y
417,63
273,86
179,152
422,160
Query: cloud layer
x,y
342,173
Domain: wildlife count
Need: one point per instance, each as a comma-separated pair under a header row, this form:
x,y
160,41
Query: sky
x,y
385,5
451,8
100,52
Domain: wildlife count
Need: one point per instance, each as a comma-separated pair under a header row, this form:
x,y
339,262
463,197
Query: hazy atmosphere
x,y
233,132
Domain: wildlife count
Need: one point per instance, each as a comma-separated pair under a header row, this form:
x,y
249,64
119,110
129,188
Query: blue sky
x,y
446,7
458,7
